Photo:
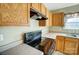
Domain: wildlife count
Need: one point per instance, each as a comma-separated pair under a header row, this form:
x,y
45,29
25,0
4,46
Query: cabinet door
x,y
62,19
50,19
42,22
36,6
47,15
60,43
71,46
13,14
43,9
58,19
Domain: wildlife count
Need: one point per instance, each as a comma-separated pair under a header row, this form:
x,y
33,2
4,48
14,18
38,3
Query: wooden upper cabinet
x,y
58,19
14,14
43,9
47,15
39,7
50,19
42,22
71,46
36,6
44,12
60,43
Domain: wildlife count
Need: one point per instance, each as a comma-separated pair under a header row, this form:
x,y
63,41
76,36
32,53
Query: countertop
x,y
53,35
22,49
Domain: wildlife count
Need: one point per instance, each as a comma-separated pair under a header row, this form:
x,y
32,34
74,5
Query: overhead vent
x,y
34,14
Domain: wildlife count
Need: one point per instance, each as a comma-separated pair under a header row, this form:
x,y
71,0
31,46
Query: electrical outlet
x,y
1,37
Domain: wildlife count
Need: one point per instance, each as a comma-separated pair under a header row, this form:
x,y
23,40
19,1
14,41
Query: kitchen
x,y
54,27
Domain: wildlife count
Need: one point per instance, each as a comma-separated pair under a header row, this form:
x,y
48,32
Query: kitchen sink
x,y
73,35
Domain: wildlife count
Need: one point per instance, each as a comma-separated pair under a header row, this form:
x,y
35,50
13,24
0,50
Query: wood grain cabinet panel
x,y
47,15
50,18
42,22
71,46
58,19
45,12
67,45
36,6
14,14
43,9
60,43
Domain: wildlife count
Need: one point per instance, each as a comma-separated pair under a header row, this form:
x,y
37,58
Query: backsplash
x,y
61,29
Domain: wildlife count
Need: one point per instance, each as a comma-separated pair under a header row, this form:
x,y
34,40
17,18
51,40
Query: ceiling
x,y
54,6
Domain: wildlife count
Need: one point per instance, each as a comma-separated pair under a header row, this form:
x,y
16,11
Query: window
x,y
72,21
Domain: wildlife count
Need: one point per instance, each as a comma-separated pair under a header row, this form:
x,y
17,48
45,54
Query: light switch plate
x,y
1,37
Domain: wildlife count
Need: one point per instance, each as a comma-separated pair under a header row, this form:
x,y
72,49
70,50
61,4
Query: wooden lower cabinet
x,y
67,45
70,46
59,43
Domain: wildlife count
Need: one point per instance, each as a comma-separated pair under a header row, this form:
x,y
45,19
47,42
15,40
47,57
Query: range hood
x,y
34,14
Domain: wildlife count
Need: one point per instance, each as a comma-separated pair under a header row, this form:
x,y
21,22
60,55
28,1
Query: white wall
x,y
70,9
14,33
